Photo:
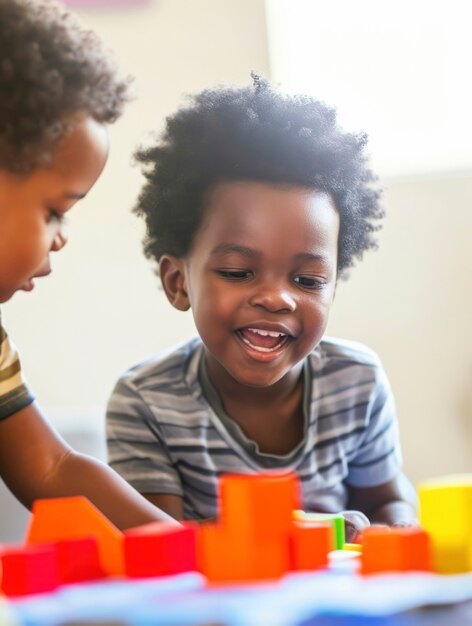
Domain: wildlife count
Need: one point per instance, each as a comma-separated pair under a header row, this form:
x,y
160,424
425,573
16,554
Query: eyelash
x,y
316,283
55,215
240,275
235,274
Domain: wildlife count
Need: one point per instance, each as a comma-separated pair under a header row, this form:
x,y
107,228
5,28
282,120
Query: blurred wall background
x,y
102,310
399,71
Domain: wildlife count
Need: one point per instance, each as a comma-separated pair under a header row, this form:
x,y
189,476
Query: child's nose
x,y
59,240
274,298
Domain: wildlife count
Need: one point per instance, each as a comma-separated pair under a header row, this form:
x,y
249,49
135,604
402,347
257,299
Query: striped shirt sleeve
x,y
136,448
378,457
14,393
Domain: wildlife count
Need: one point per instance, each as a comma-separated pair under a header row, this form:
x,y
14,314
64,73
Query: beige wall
x,y
102,310
411,300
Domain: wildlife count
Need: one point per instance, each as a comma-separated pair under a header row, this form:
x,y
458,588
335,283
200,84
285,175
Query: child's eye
x,y
55,216
234,274
309,282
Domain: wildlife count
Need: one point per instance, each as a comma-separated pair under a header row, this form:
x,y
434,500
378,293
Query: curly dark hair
x,y
51,67
254,133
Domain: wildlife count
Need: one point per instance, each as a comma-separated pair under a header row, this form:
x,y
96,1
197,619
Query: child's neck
x,y
270,416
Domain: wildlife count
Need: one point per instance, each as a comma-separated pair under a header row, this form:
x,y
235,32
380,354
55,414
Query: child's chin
x,y
5,296
257,382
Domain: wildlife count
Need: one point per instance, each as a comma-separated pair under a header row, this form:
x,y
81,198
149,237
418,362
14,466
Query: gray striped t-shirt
x,y
164,436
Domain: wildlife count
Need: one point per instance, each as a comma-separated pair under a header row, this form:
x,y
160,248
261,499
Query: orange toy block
x,y
395,550
260,505
310,544
29,570
160,549
222,558
57,519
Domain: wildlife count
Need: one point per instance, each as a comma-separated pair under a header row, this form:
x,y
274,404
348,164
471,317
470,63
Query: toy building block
x,y
79,560
159,549
395,550
446,514
29,570
260,505
56,519
223,557
257,537
310,544
336,519
352,547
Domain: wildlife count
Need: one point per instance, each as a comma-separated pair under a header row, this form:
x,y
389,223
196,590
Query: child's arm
x,y
35,462
173,505
391,503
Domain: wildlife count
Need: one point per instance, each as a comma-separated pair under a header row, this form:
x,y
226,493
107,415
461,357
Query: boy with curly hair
x,y
58,91
255,204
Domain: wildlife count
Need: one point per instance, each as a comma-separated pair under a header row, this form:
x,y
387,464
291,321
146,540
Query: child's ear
x,y
171,271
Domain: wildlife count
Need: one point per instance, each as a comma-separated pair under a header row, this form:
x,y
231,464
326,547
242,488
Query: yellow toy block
x,y
352,547
446,514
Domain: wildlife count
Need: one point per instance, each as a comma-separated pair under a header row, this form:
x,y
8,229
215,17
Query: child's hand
x,y
354,523
412,524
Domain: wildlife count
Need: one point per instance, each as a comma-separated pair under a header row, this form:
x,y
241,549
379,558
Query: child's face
x,y
32,207
260,278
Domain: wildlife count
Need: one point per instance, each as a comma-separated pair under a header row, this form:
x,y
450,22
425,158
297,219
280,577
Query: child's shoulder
x,y
168,367
336,361
354,352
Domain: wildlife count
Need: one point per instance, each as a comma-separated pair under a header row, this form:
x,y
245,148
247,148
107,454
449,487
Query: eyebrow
x,y
309,256
74,195
228,248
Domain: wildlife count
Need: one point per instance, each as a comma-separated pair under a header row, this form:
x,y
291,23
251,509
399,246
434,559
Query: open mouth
x,y
262,340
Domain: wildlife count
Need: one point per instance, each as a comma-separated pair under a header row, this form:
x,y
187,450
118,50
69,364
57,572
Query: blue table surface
x,y
327,598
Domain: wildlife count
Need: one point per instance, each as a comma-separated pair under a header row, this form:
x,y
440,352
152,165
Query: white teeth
x,y
258,348
266,333
262,349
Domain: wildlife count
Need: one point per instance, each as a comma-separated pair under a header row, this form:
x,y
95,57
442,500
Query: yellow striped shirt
x,y
14,393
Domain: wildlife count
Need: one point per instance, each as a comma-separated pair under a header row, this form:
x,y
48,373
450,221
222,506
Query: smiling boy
x,y
255,203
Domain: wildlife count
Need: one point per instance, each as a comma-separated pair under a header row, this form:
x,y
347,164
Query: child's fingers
x,y
354,523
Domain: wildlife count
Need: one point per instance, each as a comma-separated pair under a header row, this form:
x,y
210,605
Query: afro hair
x,y
259,134
51,67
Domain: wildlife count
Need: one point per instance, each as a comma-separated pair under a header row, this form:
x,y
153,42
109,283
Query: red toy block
x,y
395,550
160,549
310,544
222,558
79,560
76,517
260,505
29,570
